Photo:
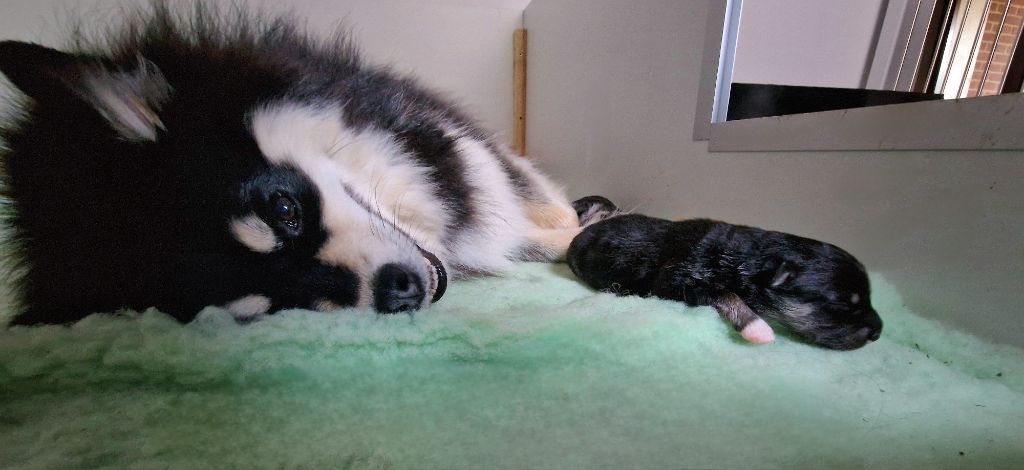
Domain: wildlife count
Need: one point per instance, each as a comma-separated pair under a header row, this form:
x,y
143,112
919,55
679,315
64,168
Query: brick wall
x,y
1003,46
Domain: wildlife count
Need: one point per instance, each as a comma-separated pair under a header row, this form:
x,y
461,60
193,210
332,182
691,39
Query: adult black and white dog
x,y
211,159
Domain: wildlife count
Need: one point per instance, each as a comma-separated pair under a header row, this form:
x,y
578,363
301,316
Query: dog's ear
x,y
37,71
127,97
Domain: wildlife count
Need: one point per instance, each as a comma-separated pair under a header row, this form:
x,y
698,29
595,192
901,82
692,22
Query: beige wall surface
x,y
806,42
613,89
462,48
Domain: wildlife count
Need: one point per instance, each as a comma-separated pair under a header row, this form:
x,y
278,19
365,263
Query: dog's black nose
x,y
397,289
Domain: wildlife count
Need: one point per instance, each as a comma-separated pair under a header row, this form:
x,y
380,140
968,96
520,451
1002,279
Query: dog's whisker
x,y
386,226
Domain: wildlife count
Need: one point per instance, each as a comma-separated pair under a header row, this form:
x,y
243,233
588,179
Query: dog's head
x,y
817,289
314,210
174,176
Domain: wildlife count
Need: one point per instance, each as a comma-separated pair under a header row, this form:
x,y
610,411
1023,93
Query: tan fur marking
x,y
551,216
551,244
248,306
254,233
324,305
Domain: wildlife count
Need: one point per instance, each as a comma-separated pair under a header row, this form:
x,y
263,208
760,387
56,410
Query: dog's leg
x,y
732,308
548,244
551,215
555,226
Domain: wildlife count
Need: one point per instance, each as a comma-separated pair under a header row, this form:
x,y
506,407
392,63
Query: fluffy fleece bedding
x,y
532,370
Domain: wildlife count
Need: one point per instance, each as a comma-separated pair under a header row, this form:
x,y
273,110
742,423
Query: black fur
x,y
130,212
807,285
591,209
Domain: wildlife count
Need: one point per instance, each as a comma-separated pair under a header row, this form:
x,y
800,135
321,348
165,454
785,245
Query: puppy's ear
x,y
127,97
782,274
773,273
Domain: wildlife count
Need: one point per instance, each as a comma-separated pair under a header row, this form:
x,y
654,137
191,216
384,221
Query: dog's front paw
x,y
758,332
593,209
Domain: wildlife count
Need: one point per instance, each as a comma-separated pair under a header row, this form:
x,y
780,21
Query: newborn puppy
x,y
818,290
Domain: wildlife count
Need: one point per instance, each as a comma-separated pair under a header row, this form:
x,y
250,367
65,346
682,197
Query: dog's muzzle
x,y
438,277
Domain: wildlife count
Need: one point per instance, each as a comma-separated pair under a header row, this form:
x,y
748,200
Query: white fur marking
x,y
501,221
377,203
591,212
254,233
855,299
758,332
248,306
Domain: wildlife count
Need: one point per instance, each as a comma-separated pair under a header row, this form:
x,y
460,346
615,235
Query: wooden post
x,y
519,91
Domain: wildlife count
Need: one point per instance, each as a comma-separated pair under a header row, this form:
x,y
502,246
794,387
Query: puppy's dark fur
x,y
816,289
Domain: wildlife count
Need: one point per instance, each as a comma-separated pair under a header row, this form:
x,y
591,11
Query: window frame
x,y
977,123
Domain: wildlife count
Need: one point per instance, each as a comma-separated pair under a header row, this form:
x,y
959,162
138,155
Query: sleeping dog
x,y
214,158
816,289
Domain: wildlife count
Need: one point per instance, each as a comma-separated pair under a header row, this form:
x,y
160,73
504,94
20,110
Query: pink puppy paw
x,y
758,332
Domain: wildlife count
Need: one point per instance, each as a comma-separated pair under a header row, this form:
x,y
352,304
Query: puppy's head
x,y
818,290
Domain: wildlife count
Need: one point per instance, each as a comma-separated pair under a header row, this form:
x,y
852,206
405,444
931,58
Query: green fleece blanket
x,y
531,370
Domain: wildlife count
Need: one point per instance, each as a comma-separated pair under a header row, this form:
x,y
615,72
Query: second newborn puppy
x,y
818,290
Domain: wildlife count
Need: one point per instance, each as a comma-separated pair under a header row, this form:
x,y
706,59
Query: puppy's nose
x,y
874,323
869,333
397,288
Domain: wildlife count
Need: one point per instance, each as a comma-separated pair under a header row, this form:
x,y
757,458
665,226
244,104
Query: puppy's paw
x,y
758,332
593,209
